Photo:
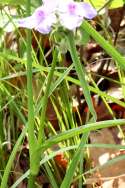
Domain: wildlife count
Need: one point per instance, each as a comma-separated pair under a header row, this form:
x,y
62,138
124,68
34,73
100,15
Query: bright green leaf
x,y
100,3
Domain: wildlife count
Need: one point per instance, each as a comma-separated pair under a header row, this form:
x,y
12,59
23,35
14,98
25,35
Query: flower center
x,y
40,15
72,8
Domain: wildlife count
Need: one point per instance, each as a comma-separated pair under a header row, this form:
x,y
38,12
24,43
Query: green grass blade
x,y
80,130
11,158
51,176
104,44
60,79
81,73
71,170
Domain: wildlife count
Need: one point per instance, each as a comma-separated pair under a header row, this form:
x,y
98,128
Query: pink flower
x,y
71,14
67,13
41,20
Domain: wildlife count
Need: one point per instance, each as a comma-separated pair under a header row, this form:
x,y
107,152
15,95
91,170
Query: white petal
x,y
87,10
46,25
44,29
50,5
63,5
28,22
70,21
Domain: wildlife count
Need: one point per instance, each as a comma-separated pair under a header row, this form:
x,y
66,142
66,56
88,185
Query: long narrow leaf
x,y
81,73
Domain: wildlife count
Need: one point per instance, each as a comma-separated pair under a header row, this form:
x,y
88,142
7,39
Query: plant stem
x,y
31,181
45,98
37,154
30,92
31,136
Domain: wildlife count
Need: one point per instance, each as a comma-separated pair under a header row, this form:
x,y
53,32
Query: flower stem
x,y
41,136
31,136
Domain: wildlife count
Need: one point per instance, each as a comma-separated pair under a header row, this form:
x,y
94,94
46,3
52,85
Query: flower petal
x,y
32,21
88,11
51,5
28,22
70,21
41,20
45,26
65,6
44,29
69,15
39,14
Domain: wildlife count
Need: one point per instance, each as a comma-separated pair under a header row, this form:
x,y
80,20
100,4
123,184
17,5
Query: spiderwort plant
x,y
64,13
69,15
